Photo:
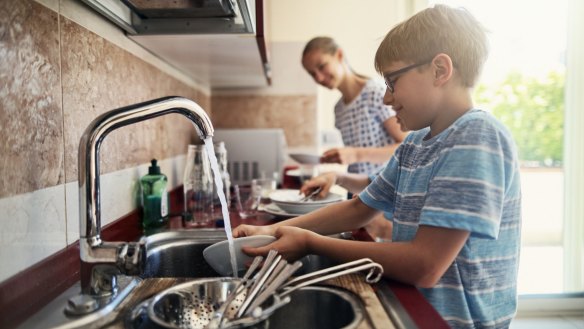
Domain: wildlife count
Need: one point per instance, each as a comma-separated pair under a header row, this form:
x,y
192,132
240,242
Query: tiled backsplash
x,y
296,114
59,72
57,77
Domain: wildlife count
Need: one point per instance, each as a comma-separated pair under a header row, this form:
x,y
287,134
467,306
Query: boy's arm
x,y
341,217
420,262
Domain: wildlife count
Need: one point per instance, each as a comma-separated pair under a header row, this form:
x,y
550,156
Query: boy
x,y
453,185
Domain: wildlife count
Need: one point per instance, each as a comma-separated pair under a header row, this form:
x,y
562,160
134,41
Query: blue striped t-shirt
x,y
466,178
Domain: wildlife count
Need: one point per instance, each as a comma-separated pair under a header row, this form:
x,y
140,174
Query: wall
x,y
294,101
58,75
62,65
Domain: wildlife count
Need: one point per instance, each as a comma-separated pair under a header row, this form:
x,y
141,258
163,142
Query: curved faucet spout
x,y
89,187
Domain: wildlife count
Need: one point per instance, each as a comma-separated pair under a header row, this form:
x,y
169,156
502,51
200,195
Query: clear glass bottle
x,y
198,186
154,198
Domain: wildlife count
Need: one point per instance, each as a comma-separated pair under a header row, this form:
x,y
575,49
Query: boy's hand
x,y
249,230
343,155
292,243
324,181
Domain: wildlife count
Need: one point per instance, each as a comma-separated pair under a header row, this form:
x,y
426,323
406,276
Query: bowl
x,y
305,158
289,200
218,257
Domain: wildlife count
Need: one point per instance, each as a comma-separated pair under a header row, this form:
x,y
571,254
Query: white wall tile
x,y
32,227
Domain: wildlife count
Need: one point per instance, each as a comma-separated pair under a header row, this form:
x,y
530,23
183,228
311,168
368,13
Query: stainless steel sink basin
x,y
319,307
312,307
180,253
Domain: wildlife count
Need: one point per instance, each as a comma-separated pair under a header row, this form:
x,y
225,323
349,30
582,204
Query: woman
x,y
369,128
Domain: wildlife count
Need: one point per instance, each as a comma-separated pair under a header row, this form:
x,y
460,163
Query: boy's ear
x,y
443,69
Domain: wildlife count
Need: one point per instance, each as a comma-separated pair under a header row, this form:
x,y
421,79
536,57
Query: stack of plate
x,y
289,201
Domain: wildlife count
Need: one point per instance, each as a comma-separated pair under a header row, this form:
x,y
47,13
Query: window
x,y
529,83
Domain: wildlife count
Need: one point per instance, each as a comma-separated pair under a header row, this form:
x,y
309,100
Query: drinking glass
x,y
198,186
247,200
265,187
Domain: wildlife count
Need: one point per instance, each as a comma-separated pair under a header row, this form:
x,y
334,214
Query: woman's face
x,y
325,69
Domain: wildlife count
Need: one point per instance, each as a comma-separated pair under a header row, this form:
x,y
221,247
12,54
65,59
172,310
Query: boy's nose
x,y
388,97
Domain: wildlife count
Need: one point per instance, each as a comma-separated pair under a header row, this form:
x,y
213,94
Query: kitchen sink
x,y
179,254
312,307
319,307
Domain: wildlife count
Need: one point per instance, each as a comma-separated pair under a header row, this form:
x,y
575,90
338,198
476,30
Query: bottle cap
x,y
154,169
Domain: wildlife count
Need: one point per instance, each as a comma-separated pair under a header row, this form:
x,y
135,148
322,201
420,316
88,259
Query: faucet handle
x,y
132,257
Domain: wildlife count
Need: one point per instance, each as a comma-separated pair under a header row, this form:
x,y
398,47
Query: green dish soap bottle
x,y
154,198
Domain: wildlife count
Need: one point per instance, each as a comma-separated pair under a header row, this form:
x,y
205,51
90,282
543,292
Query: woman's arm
x,y
348,155
354,183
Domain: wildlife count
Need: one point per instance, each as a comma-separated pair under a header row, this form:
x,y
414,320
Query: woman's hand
x,y
324,181
292,243
342,155
249,230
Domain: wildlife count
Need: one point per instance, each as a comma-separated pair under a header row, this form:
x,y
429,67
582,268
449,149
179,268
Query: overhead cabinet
x,y
220,43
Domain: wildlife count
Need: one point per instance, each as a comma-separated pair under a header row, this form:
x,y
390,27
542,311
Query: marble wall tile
x,y
296,114
31,134
98,77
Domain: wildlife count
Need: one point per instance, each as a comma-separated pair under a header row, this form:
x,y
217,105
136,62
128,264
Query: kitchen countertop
x,y
401,303
376,316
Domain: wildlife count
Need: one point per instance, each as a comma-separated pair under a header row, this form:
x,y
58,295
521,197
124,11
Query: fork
x,y
311,195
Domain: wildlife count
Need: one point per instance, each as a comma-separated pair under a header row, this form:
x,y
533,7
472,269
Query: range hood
x,y
163,17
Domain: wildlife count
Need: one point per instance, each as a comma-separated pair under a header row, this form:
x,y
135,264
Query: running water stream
x,y
219,183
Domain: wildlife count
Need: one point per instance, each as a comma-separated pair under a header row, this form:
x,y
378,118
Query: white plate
x,y
275,210
305,158
218,257
289,201
293,196
293,173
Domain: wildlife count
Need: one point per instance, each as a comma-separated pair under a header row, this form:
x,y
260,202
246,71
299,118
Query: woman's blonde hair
x,y
326,45
440,29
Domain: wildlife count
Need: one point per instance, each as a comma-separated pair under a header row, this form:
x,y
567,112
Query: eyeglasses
x,y
391,83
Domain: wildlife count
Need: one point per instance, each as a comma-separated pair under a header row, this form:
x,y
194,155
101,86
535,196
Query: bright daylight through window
x,y
523,84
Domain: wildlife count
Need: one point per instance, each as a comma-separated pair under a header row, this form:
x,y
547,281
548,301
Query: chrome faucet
x,y
101,261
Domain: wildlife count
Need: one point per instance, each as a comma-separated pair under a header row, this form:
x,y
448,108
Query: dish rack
x,y
253,153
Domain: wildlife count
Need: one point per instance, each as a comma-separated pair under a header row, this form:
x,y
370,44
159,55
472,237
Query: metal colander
x,y
198,303
192,304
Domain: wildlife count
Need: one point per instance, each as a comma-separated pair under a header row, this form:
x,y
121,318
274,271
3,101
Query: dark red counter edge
x,y
418,308
25,293
28,291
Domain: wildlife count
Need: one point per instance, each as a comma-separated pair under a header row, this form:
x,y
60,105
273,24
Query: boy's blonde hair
x,y
440,29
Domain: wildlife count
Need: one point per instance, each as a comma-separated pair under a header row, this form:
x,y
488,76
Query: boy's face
x,y
411,93
325,69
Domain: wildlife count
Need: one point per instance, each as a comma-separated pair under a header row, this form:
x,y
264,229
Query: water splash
x,y
219,183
